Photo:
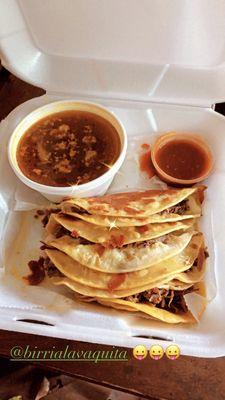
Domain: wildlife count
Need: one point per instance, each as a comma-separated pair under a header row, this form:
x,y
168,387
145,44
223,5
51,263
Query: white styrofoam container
x,y
159,68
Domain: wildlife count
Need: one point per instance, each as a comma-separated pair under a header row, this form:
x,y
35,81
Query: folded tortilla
x,y
150,310
105,294
139,251
104,298
196,272
120,292
174,284
136,205
161,272
115,237
132,257
189,208
146,310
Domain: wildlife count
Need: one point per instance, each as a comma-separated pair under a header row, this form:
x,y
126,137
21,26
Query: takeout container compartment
x,y
162,140
95,187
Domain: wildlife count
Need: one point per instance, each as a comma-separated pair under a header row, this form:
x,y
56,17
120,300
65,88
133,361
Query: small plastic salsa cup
x,y
176,154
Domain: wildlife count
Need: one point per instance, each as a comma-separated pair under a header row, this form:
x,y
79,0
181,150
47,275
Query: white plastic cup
x,y
95,187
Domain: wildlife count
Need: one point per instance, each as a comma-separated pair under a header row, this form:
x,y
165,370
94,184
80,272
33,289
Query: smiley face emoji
x,y
140,352
156,352
172,352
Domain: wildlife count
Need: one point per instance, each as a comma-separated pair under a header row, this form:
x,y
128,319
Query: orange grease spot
x,y
114,242
116,281
74,234
142,229
201,194
145,146
100,249
145,164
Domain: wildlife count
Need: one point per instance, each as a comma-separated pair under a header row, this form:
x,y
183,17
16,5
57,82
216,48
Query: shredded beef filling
x,y
148,243
195,263
50,268
61,231
39,269
206,252
46,214
39,213
78,210
179,208
170,300
45,246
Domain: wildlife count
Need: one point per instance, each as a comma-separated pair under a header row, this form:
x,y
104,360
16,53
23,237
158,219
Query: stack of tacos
x,y
139,251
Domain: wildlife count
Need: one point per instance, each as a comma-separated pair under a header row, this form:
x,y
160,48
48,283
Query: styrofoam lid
x,y
164,50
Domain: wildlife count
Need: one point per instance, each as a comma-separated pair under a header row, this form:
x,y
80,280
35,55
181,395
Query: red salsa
x,y
182,159
68,148
145,162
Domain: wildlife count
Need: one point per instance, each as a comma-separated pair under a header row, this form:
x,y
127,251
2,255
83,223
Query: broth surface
x,y
68,148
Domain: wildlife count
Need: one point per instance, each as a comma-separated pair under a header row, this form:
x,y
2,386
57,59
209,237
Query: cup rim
x,y
191,138
64,189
